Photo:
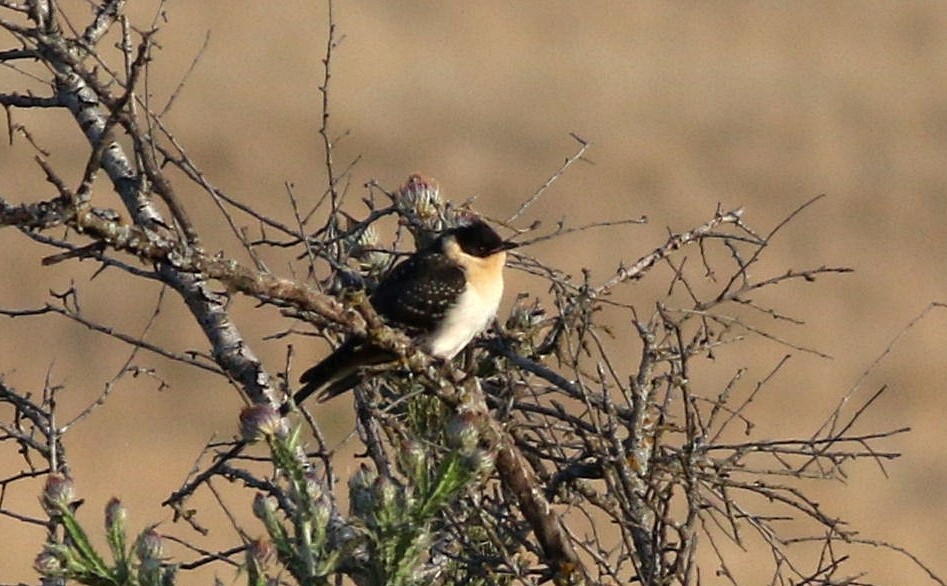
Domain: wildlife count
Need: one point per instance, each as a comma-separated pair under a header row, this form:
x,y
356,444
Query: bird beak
x,y
506,245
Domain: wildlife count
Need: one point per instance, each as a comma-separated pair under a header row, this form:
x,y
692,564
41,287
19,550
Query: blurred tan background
x,y
686,105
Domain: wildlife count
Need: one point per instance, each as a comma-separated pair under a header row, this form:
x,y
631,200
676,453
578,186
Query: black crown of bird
x,y
443,295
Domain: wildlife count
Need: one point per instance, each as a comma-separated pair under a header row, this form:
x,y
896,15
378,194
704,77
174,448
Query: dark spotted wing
x,y
418,292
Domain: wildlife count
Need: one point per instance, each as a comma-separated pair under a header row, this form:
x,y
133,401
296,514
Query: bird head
x,y
476,238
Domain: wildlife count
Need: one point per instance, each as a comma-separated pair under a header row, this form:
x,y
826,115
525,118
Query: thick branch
x,y
229,347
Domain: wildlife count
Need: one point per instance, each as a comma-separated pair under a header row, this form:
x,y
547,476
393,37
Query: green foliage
x,y
384,543
396,517
391,518
72,556
297,521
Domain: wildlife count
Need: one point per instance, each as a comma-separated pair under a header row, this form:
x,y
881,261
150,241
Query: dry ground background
x,y
754,105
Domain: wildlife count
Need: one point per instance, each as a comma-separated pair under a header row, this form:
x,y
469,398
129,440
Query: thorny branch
x,y
603,472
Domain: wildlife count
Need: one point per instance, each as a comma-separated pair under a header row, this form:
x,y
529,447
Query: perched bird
x,y
442,296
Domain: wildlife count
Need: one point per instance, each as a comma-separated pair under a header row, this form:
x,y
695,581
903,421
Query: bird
x,y
443,296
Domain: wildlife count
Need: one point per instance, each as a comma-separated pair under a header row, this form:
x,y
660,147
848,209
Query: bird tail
x,y
340,371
